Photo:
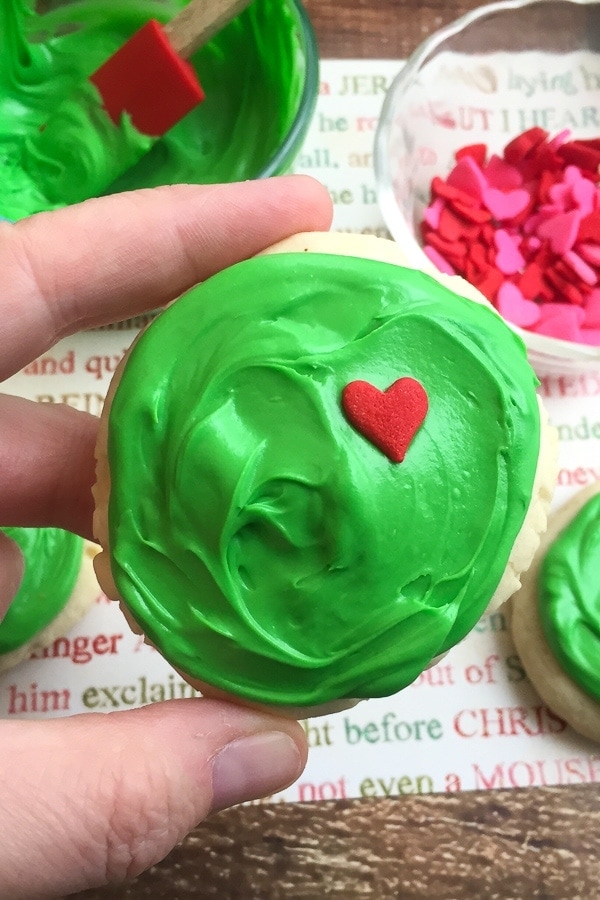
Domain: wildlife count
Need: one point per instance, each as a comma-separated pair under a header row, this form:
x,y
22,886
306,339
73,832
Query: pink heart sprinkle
x,y
433,212
505,205
590,336
560,320
560,194
544,214
589,252
581,268
508,258
584,194
513,306
533,243
561,231
439,261
573,192
559,139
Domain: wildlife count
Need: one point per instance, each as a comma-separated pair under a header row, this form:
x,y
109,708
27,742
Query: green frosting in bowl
x,y
260,76
262,542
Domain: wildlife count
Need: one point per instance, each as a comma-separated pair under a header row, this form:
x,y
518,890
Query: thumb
x,y
99,798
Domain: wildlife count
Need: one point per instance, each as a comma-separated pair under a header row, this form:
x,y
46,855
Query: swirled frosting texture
x,y
253,73
52,563
569,597
262,543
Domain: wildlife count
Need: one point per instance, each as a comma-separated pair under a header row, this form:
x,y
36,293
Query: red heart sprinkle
x,y
488,282
592,310
561,230
467,177
530,282
452,228
450,251
477,152
441,188
517,149
388,419
500,174
580,154
471,213
589,227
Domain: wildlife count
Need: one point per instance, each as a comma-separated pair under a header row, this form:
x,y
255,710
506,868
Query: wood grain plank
x,y
379,29
484,845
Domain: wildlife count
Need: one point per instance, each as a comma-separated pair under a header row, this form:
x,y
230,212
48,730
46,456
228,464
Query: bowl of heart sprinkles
x,y
487,161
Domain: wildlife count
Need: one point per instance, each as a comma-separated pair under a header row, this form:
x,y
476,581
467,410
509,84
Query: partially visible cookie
x,y
555,617
57,589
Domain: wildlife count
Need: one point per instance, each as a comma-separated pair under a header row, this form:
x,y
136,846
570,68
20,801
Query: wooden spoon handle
x,y
198,22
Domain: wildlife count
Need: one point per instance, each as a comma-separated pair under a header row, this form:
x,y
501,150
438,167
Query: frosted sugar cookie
x,y
57,589
316,471
555,617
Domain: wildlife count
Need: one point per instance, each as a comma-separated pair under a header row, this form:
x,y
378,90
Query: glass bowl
x,y
260,76
308,75
261,79
485,78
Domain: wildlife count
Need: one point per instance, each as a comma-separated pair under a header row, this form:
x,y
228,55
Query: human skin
x,y
93,799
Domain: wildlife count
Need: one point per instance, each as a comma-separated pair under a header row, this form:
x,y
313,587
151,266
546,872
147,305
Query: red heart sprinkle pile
x,y
388,419
524,228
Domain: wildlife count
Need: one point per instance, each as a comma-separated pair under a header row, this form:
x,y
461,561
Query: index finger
x,y
112,258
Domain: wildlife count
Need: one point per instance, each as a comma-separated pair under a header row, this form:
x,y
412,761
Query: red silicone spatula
x,y
149,78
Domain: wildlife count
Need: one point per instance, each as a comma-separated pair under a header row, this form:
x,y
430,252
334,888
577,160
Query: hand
x,y
97,798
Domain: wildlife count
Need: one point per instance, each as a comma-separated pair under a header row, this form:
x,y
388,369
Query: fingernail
x,y
254,767
12,569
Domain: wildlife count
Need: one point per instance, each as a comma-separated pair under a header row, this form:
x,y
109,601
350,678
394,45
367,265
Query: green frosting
x,y
569,597
52,564
254,73
262,543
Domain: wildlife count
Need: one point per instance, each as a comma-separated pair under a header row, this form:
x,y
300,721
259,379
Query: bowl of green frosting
x,y
259,74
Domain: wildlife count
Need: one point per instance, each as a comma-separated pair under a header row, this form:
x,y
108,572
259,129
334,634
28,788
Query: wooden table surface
x,y
517,844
